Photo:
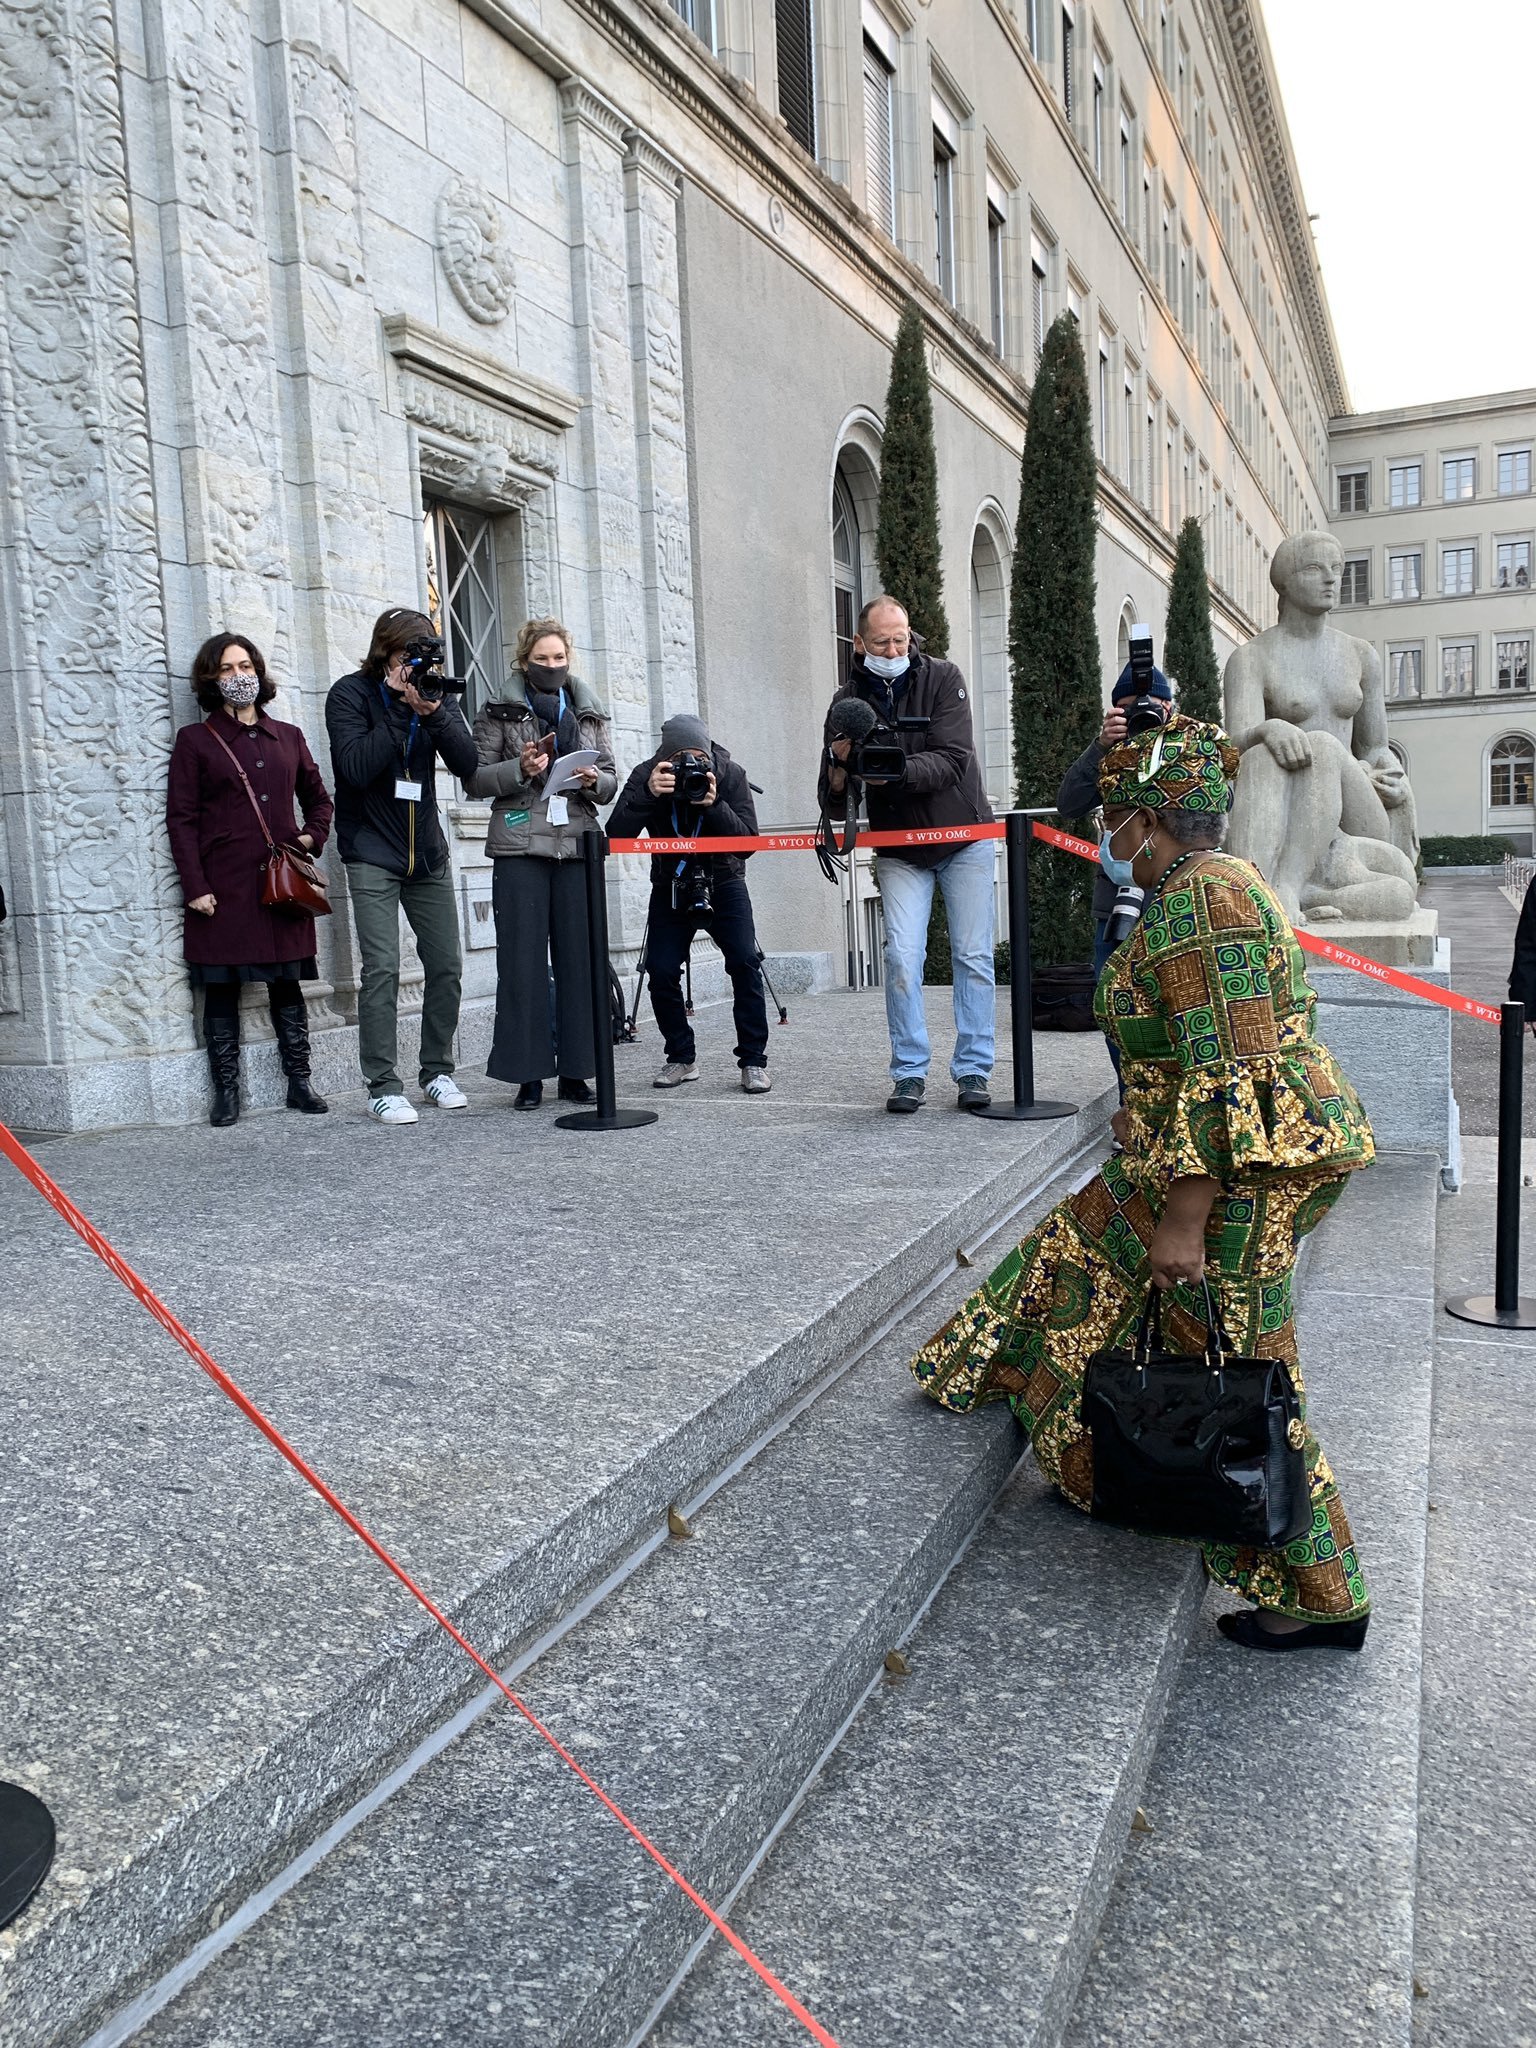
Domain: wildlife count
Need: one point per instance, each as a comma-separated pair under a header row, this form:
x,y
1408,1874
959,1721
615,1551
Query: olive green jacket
x,y
519,808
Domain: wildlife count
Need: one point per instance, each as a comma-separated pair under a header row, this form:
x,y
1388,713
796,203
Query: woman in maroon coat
x,y
220,851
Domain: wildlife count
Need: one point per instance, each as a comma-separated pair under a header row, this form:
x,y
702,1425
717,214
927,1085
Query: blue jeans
x,y
906,894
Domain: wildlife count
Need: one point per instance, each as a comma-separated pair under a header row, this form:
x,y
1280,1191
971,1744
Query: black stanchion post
x,y
1506,1308
1024,1107
607,1116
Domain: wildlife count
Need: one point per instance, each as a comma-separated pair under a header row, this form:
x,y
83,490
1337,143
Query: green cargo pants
x,y
431,908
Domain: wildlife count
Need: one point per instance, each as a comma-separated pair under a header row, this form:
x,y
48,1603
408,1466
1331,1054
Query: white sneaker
x,y
675,1073
445,1092
391,1109
755,1081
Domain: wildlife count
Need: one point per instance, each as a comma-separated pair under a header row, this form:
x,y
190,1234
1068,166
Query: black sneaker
x,y
905,1098
973,1092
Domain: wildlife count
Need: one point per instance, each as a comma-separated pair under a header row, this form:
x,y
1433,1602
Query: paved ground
x,y
1479,921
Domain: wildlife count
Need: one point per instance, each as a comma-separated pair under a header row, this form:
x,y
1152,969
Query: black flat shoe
x,y
574,1091
530,1095
1247,1629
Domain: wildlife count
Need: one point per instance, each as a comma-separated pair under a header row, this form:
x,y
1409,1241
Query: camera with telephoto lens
x,y
690,778
1144,711
423,660
879,757
690,890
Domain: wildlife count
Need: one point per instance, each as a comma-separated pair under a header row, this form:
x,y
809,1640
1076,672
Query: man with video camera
x,y
389,725
690,788
900,730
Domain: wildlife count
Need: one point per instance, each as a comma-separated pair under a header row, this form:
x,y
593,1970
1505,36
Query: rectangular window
x,y
1128,433
1165,39
944,216
1149,211
1104,400
1405,483
1513,565
1458,477
879,137
463,597
795,41
1405,576
1170,255
1514,472
1183,84
1458,667
1458,571
1032,27
700,17
1355,490
997,263
1068,59
1355,587
1039,272
1512,661
1186,286
1405,673
1100,121
1127,176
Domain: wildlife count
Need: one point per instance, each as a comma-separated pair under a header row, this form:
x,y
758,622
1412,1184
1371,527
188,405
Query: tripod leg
x,y
767,984
640,968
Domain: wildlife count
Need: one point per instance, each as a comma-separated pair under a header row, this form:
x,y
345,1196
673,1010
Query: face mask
x,y
239,690
547,675
887,666
1118,871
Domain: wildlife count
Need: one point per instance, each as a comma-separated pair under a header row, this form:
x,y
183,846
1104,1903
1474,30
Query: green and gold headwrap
x,y
1186,765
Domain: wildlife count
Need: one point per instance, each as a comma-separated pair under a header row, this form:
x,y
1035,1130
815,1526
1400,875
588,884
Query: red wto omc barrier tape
x,y
53,1194
959,835
1466,1006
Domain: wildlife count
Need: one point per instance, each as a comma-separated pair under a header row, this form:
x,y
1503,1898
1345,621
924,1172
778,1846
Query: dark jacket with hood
x,y
943,784
370,730
732,815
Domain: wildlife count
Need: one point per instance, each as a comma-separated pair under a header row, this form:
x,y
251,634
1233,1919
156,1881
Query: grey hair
x,y
1206,829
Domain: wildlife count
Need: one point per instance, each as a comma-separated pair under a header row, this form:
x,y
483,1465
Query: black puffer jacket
x,y
943,784
369,728
732,815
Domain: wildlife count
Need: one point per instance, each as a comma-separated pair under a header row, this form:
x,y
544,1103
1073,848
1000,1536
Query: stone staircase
x,y
1069,1814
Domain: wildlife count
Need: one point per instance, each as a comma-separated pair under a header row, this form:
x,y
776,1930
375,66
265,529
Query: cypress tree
x,y
907,535
1053,641
1189,653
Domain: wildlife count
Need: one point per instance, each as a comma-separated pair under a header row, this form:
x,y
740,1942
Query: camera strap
x,y
679,833
410,734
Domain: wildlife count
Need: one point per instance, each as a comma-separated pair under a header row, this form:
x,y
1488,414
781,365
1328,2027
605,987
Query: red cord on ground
x,y
52,1193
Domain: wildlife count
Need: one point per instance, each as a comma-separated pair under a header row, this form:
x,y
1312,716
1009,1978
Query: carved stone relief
x,y
325,141
472,248
91,917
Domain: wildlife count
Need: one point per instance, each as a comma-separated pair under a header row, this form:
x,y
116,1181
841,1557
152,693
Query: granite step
x,y
490,1897
1273,1899
946,1876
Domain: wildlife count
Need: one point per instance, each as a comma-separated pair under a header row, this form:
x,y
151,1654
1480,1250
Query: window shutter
x,y
877,134
797,77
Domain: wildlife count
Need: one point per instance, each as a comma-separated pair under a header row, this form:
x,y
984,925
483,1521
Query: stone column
x,y
86,959
594,150
651,187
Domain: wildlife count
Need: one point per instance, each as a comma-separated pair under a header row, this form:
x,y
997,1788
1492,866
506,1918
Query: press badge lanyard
x,y
406,790
556,808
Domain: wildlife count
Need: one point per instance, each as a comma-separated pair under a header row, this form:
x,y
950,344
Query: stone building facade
x,y
585,306
1434,510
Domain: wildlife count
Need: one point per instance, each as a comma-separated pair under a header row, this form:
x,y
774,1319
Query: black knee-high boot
x,y
223,1036
291,1023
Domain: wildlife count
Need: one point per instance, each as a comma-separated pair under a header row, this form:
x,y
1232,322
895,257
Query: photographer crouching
x,y
692,789
909,718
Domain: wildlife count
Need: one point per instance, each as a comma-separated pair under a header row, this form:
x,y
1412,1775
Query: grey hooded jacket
x,y
519,808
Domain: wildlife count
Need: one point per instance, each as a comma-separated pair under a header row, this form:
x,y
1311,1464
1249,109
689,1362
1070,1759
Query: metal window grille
x,y
462,597
879,126
795,39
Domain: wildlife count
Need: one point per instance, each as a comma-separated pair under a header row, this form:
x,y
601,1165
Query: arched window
x,y
1123,637
989,658
847,575
1512,773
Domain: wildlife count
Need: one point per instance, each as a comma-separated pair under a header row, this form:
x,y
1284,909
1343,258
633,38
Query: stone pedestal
x,y
1396,1050
1404,942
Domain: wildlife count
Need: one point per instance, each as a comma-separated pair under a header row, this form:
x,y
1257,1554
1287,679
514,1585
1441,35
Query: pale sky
x,y
1411,124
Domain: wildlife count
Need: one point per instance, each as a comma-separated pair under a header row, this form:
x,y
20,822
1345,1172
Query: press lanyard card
x,y
408,792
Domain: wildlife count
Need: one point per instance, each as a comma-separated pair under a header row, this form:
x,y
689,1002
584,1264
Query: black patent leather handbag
x,y
1210,1447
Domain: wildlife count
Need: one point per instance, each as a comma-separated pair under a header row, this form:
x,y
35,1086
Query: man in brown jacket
x,y
925,702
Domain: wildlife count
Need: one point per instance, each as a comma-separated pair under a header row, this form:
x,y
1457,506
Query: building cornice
x,y
1488,403
1252,65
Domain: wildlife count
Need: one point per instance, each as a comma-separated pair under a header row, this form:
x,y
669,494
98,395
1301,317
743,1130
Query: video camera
x,y
691,771
423,660
875,752
1144,711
